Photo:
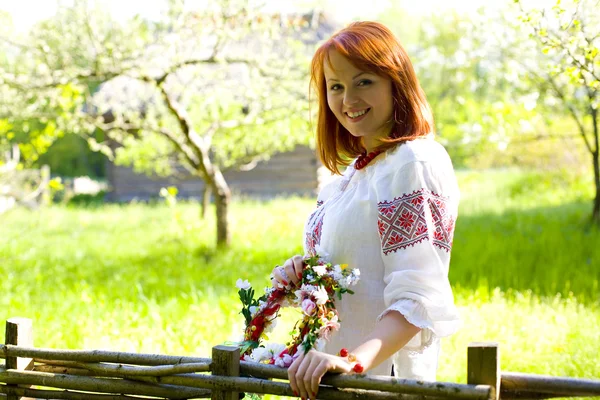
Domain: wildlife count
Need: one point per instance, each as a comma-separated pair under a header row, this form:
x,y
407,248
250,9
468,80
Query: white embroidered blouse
x,y
394,221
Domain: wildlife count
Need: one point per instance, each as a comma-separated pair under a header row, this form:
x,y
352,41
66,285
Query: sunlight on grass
x,y
147,278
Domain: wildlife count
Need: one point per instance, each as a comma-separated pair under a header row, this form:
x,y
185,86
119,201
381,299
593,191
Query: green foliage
x,y
87,200
477,96
569,34
70,156
481,73
248,300
573,187
568,38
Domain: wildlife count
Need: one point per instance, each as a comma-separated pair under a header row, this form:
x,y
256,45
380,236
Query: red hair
x,y
371,47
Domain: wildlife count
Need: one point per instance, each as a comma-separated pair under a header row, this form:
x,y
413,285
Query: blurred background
x,y
152,152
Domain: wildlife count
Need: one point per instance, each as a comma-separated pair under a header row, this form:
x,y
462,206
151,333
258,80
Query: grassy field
x,y
525,271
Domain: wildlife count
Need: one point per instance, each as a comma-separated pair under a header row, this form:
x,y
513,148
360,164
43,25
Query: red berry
x,y
358,368
344,352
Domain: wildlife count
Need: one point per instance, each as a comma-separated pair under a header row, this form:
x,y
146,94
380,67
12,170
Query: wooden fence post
x,y
483,366
19,332
226,362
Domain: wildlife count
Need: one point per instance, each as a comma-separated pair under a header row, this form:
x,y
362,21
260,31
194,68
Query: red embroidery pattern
x,y
402,221
313,237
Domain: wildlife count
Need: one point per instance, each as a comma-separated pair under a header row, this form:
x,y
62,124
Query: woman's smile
x,y
356,116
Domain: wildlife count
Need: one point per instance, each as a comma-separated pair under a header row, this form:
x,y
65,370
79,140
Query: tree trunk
x,y
222,200
206,192
596,210
595,154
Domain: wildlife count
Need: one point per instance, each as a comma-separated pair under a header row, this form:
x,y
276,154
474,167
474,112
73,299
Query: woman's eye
x,y
335,86
364,82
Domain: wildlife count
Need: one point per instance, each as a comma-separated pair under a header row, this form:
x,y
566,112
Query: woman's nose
x,y
350,99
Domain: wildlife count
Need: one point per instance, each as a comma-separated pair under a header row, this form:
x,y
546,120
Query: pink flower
x,y
327,328
308,306
284,361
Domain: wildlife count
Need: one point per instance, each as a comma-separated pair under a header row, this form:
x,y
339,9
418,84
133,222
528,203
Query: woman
x,y
391,213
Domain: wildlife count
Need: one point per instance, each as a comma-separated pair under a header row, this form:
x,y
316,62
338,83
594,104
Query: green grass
x,y
147,278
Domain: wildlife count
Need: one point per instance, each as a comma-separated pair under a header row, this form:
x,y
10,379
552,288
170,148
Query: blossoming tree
x,y
206,90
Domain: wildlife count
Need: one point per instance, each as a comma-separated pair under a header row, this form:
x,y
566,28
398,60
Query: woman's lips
x,y
357,119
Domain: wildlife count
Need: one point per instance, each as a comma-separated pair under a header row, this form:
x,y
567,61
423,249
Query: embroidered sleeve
x,y
416,214
412,218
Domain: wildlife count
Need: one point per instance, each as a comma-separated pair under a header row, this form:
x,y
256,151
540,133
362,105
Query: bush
x,y
87,200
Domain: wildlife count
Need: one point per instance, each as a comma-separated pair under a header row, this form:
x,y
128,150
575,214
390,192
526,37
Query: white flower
x,y
279,362
270,326
253,310
320,270
320,295
336,274
304,292
320,344
283,361
259,354
345,282
243,284
354,277
274,349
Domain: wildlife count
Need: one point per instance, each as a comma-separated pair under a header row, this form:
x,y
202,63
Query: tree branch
x,y
188,153
201,150
572,111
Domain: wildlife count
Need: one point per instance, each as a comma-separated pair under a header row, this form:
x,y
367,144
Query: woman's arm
x,y
389,335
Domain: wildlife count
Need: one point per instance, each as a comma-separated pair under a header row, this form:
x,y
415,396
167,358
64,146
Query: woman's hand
x,y
306,371
289,274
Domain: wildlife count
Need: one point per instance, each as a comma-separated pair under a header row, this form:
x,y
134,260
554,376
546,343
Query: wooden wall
x,y
289,173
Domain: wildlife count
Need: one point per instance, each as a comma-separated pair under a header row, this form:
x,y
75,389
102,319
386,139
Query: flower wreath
x,y
321,282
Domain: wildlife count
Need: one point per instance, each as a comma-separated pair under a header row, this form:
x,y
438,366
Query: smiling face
x,y
360,100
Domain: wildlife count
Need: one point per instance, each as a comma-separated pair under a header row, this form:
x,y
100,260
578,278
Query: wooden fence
x,y
107,375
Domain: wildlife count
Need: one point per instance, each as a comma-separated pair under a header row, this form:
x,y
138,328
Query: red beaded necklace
x,y
364,159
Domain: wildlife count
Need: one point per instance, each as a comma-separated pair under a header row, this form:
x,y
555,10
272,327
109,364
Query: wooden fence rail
x,y
31,372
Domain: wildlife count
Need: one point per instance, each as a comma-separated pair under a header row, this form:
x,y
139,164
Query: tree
x,y
207,90
28,119
568,38
474,90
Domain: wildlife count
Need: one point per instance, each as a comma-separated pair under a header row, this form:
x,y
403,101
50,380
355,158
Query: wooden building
x,y
298,172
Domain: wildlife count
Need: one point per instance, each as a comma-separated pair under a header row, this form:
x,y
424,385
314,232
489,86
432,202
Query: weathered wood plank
x,y
19,331
64,394
483,367
383,383
97,356
515,385
120,370
100,385
226,362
